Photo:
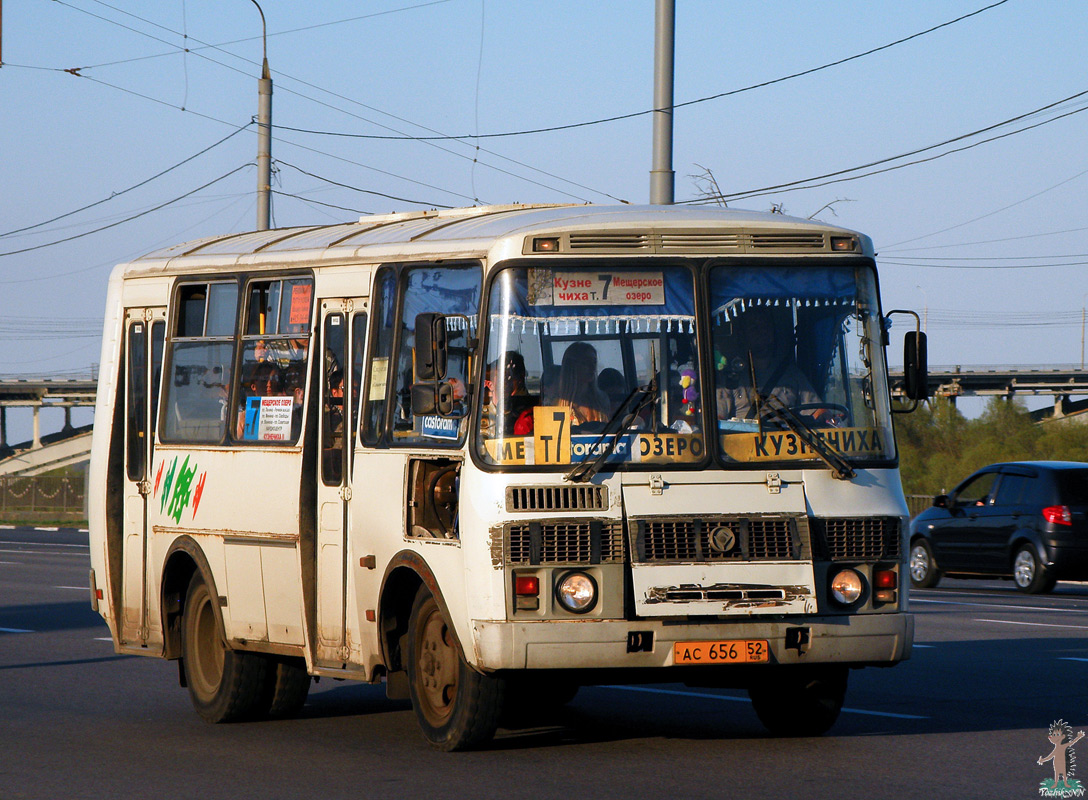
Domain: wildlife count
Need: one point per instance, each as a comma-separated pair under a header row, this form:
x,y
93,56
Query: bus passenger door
x,y
145,330
340,359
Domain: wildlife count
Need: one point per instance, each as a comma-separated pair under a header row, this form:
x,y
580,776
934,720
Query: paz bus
x,y
487,456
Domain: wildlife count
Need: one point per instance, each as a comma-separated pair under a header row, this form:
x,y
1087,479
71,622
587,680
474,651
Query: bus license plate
x,y
737,651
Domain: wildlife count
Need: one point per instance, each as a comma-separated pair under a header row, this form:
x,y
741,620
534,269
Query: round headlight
x,y
576,592
846,587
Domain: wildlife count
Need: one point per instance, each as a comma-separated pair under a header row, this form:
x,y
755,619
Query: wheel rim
x,y
1023,568
206,654
919,563
437,669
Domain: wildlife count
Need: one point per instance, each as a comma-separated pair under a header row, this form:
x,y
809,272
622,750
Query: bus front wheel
x,y
224,685
800,701
457,707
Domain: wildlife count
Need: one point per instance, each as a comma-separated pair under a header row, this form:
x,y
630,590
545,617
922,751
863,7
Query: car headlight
x,y
846,587
576,592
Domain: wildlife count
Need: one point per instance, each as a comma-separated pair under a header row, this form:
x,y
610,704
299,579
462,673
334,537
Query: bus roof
x,y
474,231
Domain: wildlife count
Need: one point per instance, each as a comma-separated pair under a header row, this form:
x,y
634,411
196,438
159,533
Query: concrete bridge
x,y
44,452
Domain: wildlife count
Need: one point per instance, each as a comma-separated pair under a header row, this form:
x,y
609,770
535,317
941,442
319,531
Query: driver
x,y
776,373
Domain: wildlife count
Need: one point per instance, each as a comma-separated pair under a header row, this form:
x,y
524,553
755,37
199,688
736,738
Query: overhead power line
x,y
115,195
675,106
128,219
843,175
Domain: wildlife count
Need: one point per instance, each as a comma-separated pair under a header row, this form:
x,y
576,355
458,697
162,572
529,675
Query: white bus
x,y
490,455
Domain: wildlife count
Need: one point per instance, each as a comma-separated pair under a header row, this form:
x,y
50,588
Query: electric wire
x,y
78,72
115,195
718,96
127,219
806,183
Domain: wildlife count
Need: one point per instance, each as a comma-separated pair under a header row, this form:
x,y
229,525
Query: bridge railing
x,y
42,498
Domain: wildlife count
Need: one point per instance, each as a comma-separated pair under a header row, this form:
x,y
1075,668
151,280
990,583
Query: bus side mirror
x,y
435,397
915,366
431,348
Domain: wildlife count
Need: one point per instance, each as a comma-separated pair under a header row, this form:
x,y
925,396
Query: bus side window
x,y
443,289
271,385
200,357
374,399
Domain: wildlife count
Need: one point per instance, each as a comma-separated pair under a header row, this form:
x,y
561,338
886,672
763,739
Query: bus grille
x,y
858,539
756,539
556,498
592,542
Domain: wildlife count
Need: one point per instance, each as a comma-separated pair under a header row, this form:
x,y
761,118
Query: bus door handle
x,y
345,493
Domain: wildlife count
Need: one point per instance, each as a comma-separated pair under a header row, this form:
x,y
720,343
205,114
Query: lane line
x,y
46,544
729,698
1036,624
1072,658
75,588
14,630
1001,605
44,552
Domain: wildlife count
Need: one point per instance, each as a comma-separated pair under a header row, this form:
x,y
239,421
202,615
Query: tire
x,y
290,685
529,700
800,701
457,708
922,567
1028,574
225,685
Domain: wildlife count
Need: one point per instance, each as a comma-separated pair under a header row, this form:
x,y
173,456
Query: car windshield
x,y
569,348
797,357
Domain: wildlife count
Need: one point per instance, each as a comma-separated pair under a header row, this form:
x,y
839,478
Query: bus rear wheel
x,y
800,701
224,685
457,707
290,685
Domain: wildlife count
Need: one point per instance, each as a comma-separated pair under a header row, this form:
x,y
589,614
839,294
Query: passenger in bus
x,y
266,380
578,389
518,405
612,383
767,337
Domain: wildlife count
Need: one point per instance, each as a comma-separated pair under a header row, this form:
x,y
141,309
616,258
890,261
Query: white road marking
x,y
1072,658
1000,605
1036,624
14,630
730,698
75,588
47,544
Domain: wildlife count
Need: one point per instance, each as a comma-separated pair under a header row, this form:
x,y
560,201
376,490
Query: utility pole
x,y
662,177
264,137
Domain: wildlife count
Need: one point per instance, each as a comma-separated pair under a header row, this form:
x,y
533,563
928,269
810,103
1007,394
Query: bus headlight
x,y
576,592
846,587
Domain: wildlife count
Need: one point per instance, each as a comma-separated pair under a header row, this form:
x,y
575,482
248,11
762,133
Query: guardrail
x,y
917,503
43,498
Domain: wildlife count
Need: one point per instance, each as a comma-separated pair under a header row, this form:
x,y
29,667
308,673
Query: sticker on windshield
x,y
599,288
788,446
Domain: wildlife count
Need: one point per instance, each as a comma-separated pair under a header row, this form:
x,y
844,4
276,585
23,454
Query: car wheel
x,y
1028,574
923,569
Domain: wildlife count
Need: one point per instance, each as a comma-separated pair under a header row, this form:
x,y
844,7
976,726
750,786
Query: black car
x,y
1027,520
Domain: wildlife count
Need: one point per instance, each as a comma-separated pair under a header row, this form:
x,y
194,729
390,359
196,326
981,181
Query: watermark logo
x,y
1064,760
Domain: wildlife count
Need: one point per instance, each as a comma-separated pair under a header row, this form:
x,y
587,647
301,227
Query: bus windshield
x,y
567,348
797,358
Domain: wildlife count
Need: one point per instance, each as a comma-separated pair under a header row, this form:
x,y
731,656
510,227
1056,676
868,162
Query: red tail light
x,y
1059,515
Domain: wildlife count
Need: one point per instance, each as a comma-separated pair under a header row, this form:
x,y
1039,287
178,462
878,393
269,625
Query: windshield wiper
x,y
832,457
614,429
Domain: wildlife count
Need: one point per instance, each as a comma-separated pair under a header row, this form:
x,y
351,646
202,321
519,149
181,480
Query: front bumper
x,y
863,639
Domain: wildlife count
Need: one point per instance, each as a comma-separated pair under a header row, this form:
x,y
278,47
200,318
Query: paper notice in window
x,y
274,424
300,304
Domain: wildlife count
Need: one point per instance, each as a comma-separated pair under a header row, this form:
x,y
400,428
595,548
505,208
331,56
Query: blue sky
x,y
991,240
